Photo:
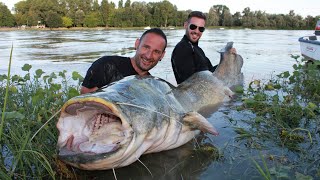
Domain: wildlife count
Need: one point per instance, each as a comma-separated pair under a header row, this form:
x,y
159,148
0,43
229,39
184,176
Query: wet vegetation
x,y
30,105
286,109
284,130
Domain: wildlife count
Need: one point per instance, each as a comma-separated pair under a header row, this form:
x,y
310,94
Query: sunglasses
x,y
193,27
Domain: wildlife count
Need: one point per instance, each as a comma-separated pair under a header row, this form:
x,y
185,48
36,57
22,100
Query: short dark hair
x,y
157,31
197,14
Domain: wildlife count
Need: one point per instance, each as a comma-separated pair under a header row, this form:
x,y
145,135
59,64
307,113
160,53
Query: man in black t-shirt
x,y
150,49
187,57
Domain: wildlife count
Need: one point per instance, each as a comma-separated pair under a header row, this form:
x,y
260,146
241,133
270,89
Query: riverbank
x,y
125,28
80,28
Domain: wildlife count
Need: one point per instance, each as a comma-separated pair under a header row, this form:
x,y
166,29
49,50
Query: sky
x,y
301,7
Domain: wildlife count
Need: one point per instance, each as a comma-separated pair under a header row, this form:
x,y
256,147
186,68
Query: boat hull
x,y
310,47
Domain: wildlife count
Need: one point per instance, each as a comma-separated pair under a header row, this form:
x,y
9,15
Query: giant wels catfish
x,y
114,126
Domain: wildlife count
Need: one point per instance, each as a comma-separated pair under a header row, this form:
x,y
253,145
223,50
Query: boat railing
x,y
306,39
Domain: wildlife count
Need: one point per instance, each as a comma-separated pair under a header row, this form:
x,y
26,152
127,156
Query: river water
x,y
265,53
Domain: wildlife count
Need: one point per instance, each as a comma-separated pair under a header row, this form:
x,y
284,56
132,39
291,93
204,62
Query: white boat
x,y
146,28
310,45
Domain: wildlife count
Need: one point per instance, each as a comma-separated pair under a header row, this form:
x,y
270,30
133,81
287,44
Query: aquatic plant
x,y
28,102
286,109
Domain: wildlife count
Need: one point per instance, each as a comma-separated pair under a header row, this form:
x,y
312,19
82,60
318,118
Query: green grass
x,y
28,134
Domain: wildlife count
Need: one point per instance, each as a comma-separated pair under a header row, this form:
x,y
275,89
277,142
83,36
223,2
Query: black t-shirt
x,y
188,58
106,70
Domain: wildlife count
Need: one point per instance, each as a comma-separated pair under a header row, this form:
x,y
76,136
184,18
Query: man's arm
x,y
95,76
182,63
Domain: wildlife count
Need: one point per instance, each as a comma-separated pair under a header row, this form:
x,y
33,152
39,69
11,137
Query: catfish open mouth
x,y
98,128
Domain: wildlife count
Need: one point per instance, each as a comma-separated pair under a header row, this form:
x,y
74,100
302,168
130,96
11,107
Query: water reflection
x,y
180,163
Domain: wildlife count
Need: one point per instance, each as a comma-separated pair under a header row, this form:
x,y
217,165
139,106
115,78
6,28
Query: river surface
x,y
265,53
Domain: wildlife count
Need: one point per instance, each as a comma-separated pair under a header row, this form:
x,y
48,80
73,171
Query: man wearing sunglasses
x,y
187,57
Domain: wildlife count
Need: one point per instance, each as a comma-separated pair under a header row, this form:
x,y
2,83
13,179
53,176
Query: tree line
x,y
89,13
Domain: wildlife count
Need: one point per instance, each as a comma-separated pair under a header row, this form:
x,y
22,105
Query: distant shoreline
x,y
81,28
127,28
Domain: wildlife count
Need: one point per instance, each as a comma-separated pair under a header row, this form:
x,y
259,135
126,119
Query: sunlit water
x,y
265,53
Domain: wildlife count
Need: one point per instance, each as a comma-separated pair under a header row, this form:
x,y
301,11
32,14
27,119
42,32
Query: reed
x,y
6,95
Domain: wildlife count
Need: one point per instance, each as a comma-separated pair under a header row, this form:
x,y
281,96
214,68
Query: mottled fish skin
x,y
114,126
229,68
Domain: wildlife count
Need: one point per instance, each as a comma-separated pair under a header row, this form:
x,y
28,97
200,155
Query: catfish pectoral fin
x,y
197,121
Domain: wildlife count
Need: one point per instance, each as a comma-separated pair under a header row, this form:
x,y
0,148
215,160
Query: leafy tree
x,y
6,18
181,17
310,22
166,10
280,21
127,4
53,20
91,20
85,6
249,19
111,13
21,9
237,19
160,14
300,22
220,9
140,14
79,18
120,4
263,21
291,20
66,22
163,13
42,9
245,18
156,17
107,13
213,17
95,6
33,18
72,7
227,18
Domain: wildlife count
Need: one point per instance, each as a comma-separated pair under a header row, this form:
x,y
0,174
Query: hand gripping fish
x,y
114,126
